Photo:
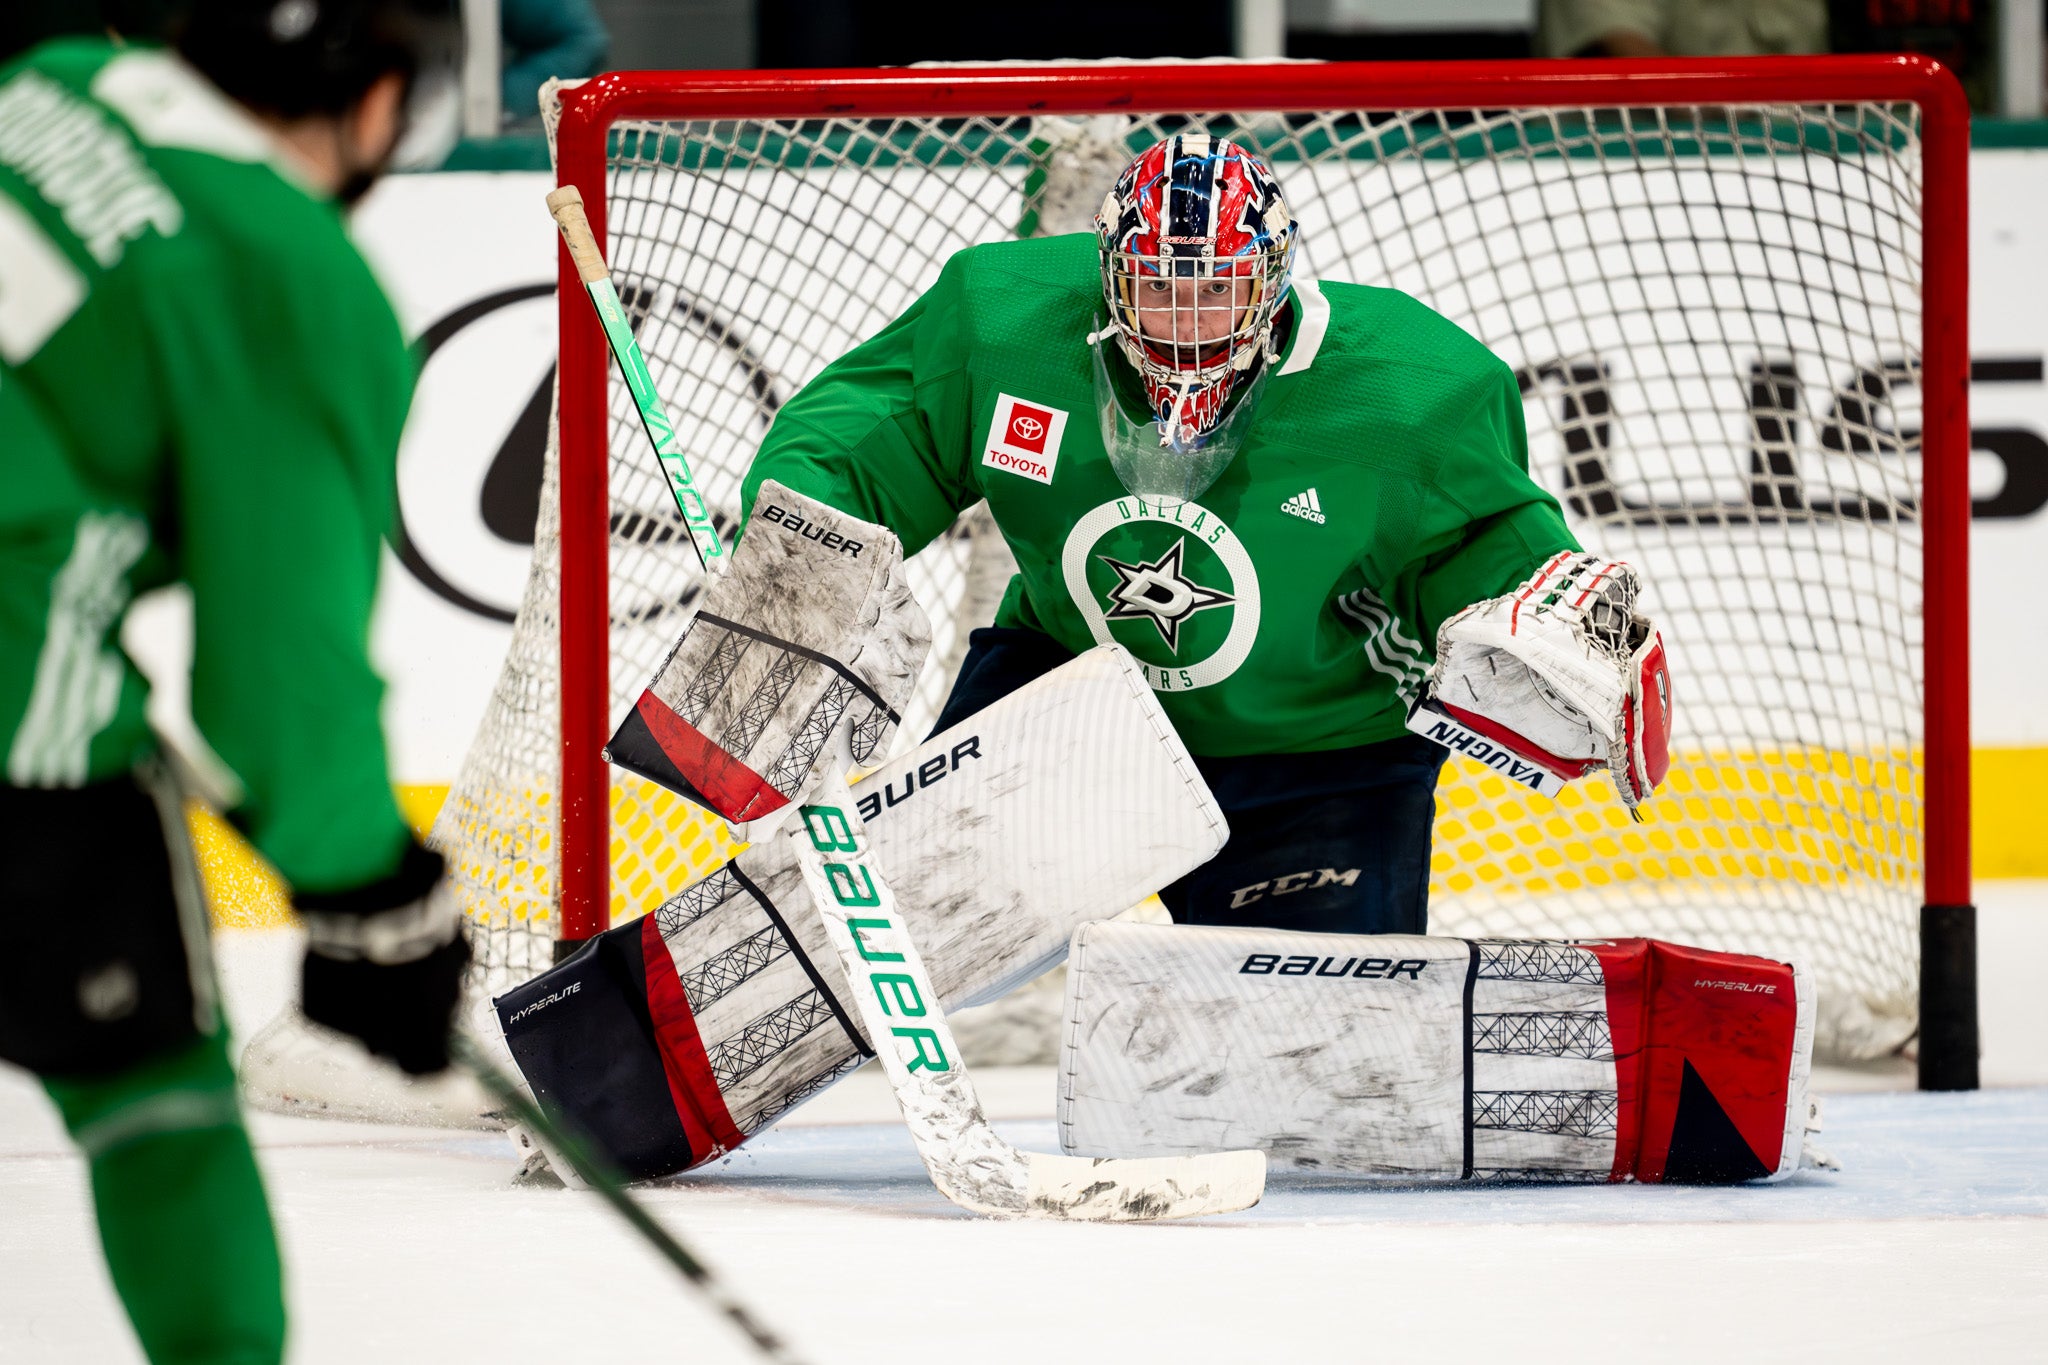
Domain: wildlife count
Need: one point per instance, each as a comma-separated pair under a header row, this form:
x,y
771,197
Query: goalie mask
x,y
1196,245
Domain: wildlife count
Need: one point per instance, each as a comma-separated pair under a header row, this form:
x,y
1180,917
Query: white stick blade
x,y
1143,1189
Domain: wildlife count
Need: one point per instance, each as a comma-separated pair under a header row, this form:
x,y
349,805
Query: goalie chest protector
x,y
1436,1058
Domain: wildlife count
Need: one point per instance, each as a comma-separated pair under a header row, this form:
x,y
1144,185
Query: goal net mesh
x,y
1715,313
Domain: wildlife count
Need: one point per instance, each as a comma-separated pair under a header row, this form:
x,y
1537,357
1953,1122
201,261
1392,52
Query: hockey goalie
x,y
1239,505
1284,498
675,1038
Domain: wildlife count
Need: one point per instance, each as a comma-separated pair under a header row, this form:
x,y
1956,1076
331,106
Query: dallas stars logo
x,y
1161,593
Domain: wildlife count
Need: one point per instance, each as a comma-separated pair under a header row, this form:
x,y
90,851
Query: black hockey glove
x,y
384,962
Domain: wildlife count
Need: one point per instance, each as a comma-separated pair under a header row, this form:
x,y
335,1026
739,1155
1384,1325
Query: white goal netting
x,y
1716,315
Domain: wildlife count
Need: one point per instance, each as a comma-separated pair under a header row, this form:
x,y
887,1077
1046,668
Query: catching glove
x,y
1560,678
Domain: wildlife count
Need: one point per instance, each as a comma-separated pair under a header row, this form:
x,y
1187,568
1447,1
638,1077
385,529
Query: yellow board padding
x,y
245,890
2005,785
1810,817
660,844
1817,817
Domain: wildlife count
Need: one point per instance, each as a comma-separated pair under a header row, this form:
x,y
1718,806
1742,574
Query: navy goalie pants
x,y
1335,842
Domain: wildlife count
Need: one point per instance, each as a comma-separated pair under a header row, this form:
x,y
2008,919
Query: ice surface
x,y
411,1244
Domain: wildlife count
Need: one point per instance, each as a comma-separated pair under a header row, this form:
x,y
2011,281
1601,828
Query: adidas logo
x,y
1307,506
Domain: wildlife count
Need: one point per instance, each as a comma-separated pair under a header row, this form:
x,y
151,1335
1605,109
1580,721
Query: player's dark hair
x,y
298,57
24,23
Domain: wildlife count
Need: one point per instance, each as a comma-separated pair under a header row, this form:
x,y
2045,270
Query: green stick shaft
x,y
567,206
611,1188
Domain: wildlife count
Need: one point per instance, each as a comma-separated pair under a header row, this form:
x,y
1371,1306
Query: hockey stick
x,y
611,1188
566,204
967,1161
893,994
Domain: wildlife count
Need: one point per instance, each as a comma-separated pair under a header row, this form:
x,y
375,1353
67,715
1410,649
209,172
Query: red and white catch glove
x,y
1558,679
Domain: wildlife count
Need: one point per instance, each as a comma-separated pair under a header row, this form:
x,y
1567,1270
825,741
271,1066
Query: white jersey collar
x,y
1309,327
168,104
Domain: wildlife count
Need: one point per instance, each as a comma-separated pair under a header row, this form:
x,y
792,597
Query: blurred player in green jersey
x,y
200,382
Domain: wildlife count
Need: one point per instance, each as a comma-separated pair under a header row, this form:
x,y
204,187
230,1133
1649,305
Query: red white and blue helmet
x,y
1203,208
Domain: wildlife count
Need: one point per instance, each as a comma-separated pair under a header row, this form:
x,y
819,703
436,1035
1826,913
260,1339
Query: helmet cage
x,y
1194,227
1167,329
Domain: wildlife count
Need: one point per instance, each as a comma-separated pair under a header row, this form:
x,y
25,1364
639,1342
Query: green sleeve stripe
x,y
78,676
171,1111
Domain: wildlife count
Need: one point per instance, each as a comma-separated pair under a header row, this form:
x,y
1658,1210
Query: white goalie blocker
x,y
1436,1059
1561,678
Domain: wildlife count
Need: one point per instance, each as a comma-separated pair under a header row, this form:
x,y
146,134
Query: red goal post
x,y
590,110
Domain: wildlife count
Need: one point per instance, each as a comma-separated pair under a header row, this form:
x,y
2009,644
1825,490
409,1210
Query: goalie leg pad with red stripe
x,y
673,1038
1436,1058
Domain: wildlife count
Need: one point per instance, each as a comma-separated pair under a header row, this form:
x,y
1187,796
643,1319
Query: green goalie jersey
x,y
200,381
1294,607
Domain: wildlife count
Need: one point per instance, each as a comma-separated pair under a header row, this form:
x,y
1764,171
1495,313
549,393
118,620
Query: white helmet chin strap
x,y
1181,419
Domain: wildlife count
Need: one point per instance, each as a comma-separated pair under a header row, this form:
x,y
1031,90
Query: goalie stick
x,y
906,1024
594,1173
965,1158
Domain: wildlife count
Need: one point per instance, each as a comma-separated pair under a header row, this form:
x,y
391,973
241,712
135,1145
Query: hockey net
x,y
1711,283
